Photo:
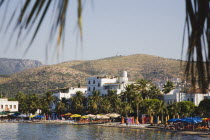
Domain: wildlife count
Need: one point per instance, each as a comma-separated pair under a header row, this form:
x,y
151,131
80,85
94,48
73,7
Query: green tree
x,y
186,108
174,109
33,102
168,86
106,106
60,108
137,99
94,102
204,107
114,100
162,110
78,102
21,98
126,108
46,101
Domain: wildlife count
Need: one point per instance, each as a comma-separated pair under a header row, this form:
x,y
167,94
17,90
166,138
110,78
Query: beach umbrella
x,y
84,117
32,116
91,116
68,114
22,116
113,115
104,117
38,116
174,120
75,116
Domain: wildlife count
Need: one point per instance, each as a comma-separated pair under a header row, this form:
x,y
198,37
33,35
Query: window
x,y
89,89
14,106
2,106
192,100
10,106
89,82
94,88
99,84
188,99
6,107
94,81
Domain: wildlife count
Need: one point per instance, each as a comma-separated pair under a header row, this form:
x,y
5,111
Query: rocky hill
x,y
44,78
11,66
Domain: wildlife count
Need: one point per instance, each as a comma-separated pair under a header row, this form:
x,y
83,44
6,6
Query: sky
x,y
110,28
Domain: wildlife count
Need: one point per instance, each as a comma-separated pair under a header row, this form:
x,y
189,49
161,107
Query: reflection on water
x,y
27,131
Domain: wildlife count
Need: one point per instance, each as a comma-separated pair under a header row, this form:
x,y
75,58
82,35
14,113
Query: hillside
x,y
44,78
11,66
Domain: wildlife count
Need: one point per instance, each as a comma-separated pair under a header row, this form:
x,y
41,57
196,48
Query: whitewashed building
x,y
105,83
6,105
177,96
69,92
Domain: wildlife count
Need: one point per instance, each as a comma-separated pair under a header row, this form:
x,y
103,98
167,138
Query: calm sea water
x,y
26,131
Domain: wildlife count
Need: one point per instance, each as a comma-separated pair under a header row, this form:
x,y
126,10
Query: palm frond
x,y
198,53
33,14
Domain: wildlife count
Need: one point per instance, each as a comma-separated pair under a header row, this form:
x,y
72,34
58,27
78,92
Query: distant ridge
x,y
66,74
11,66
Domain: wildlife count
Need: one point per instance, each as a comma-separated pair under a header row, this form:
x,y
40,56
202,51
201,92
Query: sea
x,y
32,131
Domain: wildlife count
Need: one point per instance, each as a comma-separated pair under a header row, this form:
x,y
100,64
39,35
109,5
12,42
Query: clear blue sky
x,y
113,27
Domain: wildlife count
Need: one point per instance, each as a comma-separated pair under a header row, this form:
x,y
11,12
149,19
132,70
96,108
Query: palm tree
x,y
60,108
143,86
162,110
94,102
78,102
106,106
126,108
137,99
174,109
114,99
168,86
197,25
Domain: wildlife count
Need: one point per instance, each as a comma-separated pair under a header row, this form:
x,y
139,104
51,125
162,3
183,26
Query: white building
x,y
103,84
6,105
69,92
177,96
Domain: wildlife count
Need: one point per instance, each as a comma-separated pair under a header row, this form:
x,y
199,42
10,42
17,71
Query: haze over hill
x,y
44,78
11,66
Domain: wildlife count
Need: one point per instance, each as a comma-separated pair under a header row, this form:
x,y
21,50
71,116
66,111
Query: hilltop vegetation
x,y
44,78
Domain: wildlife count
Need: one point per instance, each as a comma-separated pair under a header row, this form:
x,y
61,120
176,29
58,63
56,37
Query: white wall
x,y
72,92
6,105
175,96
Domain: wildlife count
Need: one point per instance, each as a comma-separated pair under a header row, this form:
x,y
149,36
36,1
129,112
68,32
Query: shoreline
x,y
116,125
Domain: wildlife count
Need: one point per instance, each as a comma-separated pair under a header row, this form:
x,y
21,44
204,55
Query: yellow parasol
x,y
68,114
75,116
32,116
84,117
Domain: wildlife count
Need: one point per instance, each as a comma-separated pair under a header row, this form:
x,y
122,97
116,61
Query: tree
x,y
21,98
33,102
60,108
186,108
126,108
137,99
46,101
94,102
174,109
106,106
78,102
168,86
162,110
203,107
